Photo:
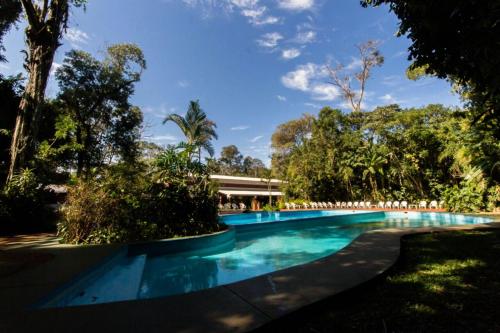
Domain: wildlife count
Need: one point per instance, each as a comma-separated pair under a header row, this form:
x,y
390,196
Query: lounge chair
x,y
325,205
338,204
234,206
227,206
441,204
361,204
242,206
330,205
433,205
355,204
422,204
395,205
287,205
306,206
349,204
381,204
388,204
368,204
343,204
404,205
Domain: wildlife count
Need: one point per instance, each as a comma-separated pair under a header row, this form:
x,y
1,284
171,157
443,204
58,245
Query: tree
x,y
46,22
10,94
287,137
9,14
458,40
230,159
94,105
196,127
253,167
369,57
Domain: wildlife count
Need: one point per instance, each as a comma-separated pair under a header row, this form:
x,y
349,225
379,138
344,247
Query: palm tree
x,y
196,127
373,164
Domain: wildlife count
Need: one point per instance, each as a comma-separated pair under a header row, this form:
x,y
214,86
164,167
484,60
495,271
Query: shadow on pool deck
x,y
237,307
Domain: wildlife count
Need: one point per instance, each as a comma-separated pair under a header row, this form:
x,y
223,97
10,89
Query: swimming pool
x,y
254,246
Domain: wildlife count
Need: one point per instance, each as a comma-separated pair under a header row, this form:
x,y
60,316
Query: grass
x,y
443,282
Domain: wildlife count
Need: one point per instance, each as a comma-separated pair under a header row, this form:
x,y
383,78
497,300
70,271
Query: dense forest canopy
x,y
389,153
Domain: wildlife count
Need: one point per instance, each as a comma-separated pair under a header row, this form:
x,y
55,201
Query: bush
x,y
174,198
23,205
469,195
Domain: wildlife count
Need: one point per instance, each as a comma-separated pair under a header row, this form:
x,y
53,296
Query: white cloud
x,y
325,92
308,78
296,4
158,112
305,37
300,77
76,37
270,40
281,98
313,105
389,99
4,66
354,64
257,138
239,128
256,13
392,80
290,53
164,138
183,83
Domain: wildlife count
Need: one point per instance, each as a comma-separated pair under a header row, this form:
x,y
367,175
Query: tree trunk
x,y
25,133
46,21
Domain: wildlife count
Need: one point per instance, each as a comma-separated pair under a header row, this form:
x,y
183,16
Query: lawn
x,y
443,282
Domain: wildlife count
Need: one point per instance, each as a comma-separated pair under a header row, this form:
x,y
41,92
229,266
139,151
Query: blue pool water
x,y
265,217
257,248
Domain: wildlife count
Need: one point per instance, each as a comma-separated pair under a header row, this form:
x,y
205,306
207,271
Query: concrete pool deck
x,y
237,307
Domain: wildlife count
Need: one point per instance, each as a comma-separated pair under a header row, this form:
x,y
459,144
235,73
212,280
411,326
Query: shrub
x,y
469,195
174,198
23,205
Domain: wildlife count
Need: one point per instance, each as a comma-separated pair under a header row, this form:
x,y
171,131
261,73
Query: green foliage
x,y
10,95
271,208
458,40
196,127
469,195
95,121
23,204
173,198
390,154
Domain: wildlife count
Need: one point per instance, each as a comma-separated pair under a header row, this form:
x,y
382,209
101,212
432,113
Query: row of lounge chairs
x,y
233,206
366,204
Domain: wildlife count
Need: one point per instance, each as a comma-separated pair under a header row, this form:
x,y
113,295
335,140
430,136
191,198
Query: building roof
x,y
245,193
244,180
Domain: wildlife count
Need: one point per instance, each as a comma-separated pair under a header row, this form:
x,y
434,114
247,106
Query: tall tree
x,y
46,22
95,108
342,78
458,40
196,127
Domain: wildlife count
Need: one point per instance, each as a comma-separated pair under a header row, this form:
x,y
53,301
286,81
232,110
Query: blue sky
x,y
253,64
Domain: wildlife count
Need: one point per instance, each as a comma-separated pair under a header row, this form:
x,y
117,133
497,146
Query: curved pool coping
x,y
240,306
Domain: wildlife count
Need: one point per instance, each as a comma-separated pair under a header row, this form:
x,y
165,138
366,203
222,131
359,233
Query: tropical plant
x,y
196,127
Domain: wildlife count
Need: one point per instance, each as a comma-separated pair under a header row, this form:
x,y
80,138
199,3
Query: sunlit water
x,y
254,252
